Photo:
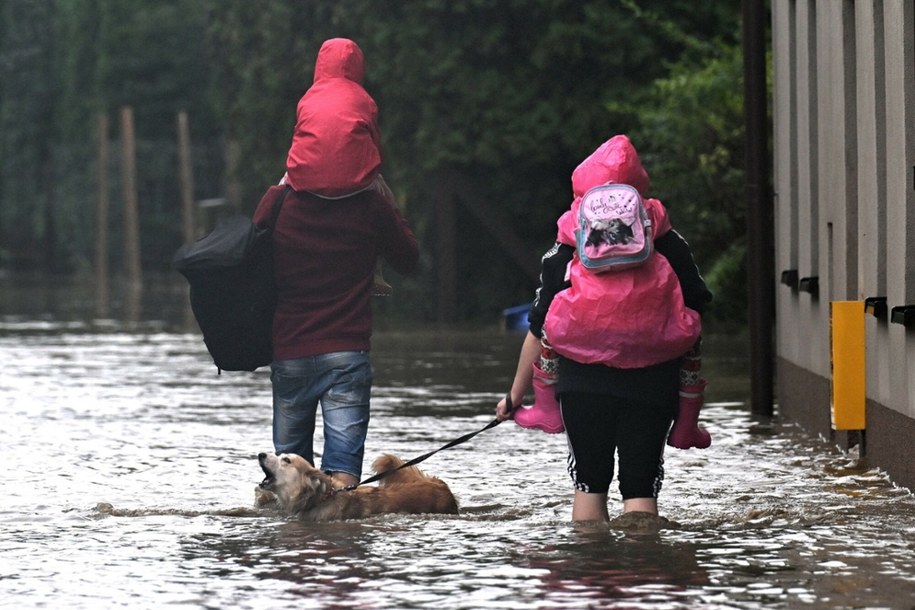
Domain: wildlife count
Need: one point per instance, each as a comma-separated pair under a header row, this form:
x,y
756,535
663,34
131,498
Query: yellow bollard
x,y
848,365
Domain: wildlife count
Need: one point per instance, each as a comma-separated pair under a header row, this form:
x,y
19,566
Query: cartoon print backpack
x,y
614,231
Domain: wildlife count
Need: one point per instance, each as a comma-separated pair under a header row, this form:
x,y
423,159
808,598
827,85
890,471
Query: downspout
x,y
760,218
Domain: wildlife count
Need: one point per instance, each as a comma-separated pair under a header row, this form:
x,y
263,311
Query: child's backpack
x,y
614,231
232,293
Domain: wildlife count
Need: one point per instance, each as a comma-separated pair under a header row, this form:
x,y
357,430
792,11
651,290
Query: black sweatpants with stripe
x,y
600,427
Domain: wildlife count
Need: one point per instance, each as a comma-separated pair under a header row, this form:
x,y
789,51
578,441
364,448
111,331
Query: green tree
x,y
76,103
258,63
64,62
152,57
691,130
27,215
508,94
512,94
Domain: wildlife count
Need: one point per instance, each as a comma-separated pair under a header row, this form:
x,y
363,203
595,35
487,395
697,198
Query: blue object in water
x,y
515,318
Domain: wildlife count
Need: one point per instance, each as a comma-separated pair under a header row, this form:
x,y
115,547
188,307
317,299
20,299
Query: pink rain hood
x,y
336,146
623,319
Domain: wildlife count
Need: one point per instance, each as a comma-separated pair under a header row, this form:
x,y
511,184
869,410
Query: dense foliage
x,y
508,94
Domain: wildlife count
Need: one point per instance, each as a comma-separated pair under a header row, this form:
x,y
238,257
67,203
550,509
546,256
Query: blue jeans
x,y
341,382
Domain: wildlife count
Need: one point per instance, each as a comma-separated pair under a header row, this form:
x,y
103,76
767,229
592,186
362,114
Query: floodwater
x,y
129,469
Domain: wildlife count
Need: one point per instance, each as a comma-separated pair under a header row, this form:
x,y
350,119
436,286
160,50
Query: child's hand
x,y
504,408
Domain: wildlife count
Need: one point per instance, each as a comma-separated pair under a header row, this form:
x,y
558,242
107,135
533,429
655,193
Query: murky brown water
x,y
129,470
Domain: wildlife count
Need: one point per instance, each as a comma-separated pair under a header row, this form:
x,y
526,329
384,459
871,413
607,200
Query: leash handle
x,y
508,402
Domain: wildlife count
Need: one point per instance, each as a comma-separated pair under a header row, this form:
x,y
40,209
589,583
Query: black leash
x,y
417,460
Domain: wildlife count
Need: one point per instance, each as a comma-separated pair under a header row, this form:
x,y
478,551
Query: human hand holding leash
x,y
530,351
505,407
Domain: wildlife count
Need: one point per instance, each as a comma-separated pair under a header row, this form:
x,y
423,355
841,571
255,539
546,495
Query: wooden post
x,y
132,265
186,176
102,299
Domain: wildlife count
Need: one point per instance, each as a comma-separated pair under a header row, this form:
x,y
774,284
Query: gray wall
x,y
844,163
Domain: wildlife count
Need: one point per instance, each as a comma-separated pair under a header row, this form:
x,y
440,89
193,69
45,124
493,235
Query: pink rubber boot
x,y
686,432
544,414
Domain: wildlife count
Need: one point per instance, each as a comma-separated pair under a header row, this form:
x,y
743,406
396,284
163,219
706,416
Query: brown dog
x,y
306,492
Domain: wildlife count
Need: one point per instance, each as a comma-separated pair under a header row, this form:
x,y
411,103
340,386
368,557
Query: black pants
x,y
598,426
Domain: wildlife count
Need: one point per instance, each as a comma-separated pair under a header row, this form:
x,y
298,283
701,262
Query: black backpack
x,y
232,289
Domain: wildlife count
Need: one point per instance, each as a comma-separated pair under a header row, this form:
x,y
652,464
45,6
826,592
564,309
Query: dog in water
x,y
306,492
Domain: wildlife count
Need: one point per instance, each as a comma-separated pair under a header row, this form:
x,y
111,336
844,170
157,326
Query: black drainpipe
x,y
760,218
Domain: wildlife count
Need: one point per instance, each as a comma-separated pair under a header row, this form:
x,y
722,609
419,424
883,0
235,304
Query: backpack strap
x,y
277,206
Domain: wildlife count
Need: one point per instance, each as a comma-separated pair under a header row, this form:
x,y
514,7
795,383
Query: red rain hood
x,y
336,144
614,161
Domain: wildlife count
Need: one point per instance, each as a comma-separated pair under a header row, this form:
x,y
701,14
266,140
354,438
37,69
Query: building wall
x,y
844,178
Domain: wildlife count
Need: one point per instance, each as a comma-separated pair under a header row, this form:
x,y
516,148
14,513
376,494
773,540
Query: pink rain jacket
x,y
336,146
622,319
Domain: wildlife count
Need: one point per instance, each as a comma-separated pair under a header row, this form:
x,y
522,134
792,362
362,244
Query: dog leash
x,y
417,460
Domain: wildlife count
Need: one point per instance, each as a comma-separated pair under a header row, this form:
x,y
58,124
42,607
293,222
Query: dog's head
x,y
297,484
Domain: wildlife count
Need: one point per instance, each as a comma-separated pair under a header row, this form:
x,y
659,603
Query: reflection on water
x,y
130,471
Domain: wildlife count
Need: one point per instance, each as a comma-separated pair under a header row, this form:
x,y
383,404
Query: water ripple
x,y
130,475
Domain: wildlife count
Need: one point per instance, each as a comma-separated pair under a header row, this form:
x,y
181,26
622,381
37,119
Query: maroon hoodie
x,y
324,256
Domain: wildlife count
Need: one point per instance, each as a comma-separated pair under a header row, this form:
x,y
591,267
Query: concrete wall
x,y
844,165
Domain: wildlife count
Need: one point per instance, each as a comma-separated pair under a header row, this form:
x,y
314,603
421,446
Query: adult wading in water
x,y
330,232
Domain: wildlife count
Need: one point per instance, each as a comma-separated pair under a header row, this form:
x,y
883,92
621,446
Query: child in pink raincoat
x,y
623,319
619,339
336,145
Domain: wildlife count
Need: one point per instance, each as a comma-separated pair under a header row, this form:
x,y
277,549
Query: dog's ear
x,y
315,487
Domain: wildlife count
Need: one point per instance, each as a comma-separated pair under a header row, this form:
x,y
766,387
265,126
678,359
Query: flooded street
x,y
130,468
